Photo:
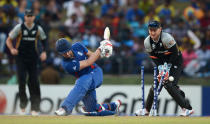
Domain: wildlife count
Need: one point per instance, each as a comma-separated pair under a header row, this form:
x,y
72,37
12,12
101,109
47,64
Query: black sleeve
x,y
44,44
174,53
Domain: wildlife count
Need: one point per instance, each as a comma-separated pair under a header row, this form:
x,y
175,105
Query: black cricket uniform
x,y
166,50
27,61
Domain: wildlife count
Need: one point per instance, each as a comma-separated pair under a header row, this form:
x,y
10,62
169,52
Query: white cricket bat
x,y
106,33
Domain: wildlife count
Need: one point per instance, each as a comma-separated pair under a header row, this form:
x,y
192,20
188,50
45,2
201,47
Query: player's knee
x,y
168,85
182,93
81,88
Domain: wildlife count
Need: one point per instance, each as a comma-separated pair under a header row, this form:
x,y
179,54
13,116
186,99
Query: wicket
x,y
142,87
157,87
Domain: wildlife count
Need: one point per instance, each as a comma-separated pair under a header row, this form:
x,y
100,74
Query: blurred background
x,y
85,20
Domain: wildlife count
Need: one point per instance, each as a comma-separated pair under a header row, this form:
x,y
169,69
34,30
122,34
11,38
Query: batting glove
x,y
106,48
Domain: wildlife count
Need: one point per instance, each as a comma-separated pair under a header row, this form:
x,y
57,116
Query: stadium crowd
x,y
85,20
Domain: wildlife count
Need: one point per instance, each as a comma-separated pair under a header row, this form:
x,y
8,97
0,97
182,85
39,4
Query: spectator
x,y
188,54
203,59
105,7
8,4
75,7
133,12
205,21
145,5
193,10
3,21
180,30
138,27
72,25
166,10
207,37
38,10
151,16
49,75
54,9
21,9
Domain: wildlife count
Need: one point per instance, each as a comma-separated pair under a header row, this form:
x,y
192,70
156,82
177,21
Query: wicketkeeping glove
x,y
161,73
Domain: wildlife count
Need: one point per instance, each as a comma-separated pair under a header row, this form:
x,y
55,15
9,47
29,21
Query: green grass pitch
x,y
5,119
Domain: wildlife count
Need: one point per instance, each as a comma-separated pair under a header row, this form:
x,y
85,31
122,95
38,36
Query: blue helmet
x,y
63,46
154,24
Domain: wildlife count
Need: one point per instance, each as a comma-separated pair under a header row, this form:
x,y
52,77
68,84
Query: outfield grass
x,y
102,120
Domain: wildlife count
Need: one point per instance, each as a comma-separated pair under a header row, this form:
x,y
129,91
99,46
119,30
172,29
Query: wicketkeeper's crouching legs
x,y
173,89
178,95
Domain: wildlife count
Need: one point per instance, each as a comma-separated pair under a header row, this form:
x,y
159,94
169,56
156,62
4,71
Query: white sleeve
x,y
168,40
147,45
42,35
15,31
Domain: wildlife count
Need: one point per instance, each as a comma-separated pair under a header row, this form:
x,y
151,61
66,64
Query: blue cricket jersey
x,y
72,65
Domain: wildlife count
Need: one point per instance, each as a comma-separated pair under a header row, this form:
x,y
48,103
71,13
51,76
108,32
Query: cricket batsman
x,y
80,62
162,48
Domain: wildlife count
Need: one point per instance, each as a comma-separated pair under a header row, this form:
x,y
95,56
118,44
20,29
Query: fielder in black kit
x,y
162,48
26,36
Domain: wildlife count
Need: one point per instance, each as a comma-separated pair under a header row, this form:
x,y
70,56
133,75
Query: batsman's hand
x,y
106,48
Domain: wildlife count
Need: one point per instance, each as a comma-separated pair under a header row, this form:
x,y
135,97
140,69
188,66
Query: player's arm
x,y
174,53
12,35
91,59
43,38
89,53
172,47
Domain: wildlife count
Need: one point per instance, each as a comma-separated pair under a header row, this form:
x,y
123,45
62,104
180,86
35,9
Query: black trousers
x,y
173,89
27,72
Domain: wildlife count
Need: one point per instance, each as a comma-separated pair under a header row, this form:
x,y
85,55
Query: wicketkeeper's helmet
x,y
63,46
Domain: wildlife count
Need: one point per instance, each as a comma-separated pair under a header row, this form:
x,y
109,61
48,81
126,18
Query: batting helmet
x,y
154,24
63,46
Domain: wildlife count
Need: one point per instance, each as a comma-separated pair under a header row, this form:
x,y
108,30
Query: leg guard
x,y
177,95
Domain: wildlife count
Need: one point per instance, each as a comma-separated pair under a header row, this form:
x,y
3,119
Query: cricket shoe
x,y
61,112
118,104
186,112
141,112
22,112
34,113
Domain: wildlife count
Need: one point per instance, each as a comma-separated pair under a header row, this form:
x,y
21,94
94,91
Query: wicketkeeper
x,y
162,48
80,62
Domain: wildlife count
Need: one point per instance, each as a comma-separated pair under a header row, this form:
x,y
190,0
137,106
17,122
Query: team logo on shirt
x,y
75,68
161,44
33,32
25,32
171,42
79,53
153,46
